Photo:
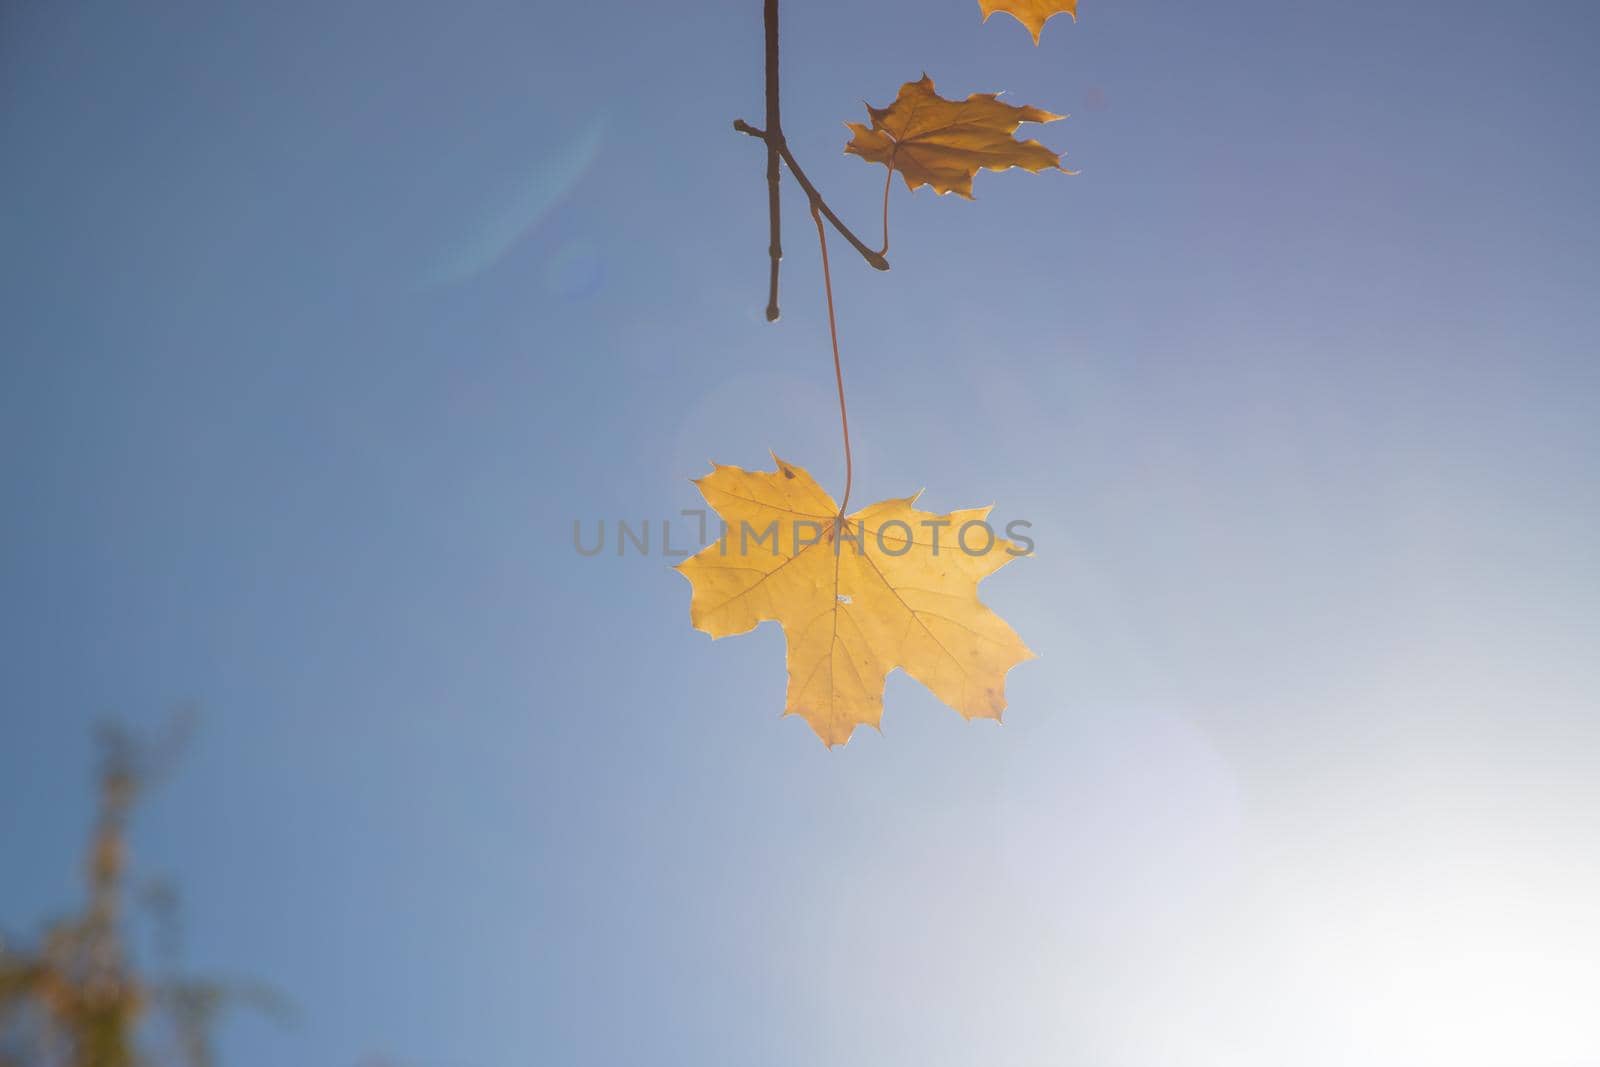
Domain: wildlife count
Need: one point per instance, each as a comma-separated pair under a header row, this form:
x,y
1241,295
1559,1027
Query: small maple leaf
x,y
944,143
888,586
1031,13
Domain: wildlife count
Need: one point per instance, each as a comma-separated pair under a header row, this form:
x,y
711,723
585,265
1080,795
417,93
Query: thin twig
x,y
778,148
872,256
769,17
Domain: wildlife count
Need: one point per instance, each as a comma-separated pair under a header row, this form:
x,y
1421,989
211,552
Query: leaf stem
x,y
838,372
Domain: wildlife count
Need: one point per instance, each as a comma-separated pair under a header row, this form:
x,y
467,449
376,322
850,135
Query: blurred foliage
x,y
78,997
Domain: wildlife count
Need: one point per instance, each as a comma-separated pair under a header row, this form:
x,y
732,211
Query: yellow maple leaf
x,y
1031,13
944,143
888,586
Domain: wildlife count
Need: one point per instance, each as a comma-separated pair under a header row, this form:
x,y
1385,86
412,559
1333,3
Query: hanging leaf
x,y
944,143
1031,13
888,586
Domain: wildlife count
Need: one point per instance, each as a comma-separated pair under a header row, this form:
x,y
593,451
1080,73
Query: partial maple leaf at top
x,y
944,143
1031,13
857,596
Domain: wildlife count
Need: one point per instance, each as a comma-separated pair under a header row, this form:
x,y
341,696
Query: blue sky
x,y
321,324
